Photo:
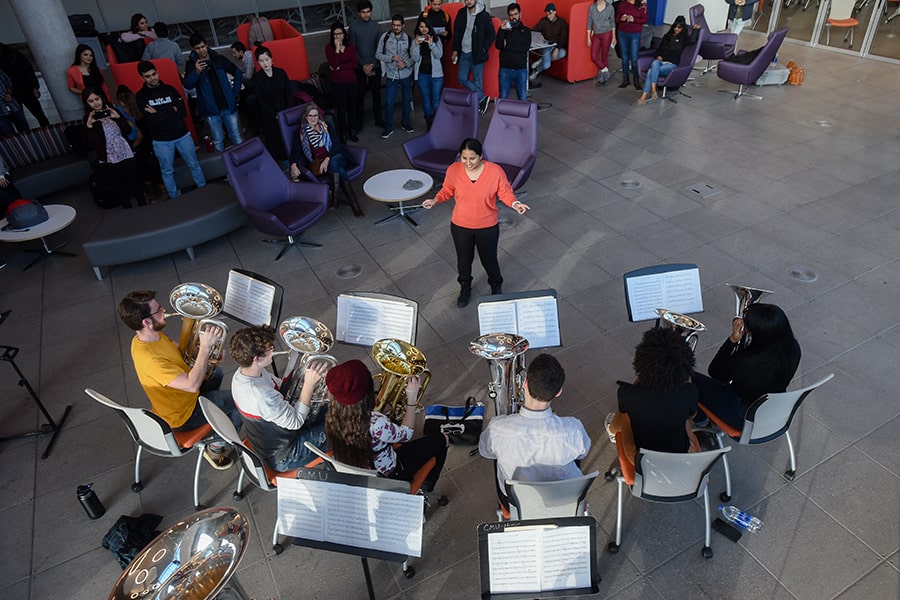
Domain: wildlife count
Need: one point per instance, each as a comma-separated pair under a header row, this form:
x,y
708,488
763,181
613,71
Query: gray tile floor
x,y
808,178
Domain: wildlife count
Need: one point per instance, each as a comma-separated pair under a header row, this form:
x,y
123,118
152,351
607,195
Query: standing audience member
x,y
342,62
736,23
554,29
164,112
85,73
217,97
12,117
601,37
248,103
513,42
163,47
272,89
394,53
108,133
245,59
630,16
473,34
475,184
25,87
427,52
364,36
147,166
140,30
8,194
438,20
668,55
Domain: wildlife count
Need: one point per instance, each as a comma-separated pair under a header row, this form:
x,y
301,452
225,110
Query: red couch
x,y
288,48
577,65
491,67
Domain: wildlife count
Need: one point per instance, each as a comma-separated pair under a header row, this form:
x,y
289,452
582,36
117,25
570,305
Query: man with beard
x,y
171,385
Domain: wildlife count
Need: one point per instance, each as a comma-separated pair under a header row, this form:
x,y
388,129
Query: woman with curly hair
x,y
362,437
660,405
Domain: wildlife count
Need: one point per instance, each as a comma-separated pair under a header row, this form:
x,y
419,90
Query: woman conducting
x,y
363,437
741,373
475,184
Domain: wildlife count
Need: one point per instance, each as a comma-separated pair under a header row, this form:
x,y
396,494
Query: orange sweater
x,y
475,203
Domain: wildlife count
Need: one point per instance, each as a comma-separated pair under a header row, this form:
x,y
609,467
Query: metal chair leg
x,y
201,447
137,486
789,475
707,550
614,546
726,495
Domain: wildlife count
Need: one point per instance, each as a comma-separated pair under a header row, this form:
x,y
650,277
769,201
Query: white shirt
x,y
259,398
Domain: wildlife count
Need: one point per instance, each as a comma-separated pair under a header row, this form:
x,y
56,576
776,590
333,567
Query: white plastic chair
x,y
548,499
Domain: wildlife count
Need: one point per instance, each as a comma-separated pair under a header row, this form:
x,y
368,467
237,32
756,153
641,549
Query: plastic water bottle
x,y
743,520
775,60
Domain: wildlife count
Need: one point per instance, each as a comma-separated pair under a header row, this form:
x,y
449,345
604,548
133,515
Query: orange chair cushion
x,y
843,22
625,463
416,484
190,438
728,429
272,474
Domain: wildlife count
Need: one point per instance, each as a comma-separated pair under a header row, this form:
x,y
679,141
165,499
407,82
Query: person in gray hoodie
x,y
394,51
427,52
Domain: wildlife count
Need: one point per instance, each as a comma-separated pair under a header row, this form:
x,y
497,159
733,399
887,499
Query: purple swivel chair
x,y
678,76
511,139
455,120
275,204
745,75
715,46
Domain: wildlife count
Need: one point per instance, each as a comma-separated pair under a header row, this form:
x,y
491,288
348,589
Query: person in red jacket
x,y
630,18
475,184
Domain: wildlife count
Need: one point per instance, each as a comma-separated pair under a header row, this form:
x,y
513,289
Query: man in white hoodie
x,y
473,35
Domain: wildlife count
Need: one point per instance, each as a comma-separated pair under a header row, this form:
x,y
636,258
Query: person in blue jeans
x,y
668,55
427,53
164,111
630,18
394,48
473,34
513,42
217,97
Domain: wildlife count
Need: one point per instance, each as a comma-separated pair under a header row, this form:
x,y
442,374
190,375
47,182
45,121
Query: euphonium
x,y
197,303
688,327
309,340
505,353
399,361
743,297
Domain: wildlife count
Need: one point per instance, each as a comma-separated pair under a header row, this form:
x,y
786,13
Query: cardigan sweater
x,y
475,204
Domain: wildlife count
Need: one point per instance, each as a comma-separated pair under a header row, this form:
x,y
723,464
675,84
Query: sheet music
x,y
497,317
515,561
536,559
678,291
536,319
248,299
567,558
351,515
364,321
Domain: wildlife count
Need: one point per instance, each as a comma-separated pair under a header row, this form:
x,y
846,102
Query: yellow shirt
x,y
158,364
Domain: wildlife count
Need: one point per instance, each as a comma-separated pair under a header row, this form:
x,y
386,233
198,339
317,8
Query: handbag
x,y
462,424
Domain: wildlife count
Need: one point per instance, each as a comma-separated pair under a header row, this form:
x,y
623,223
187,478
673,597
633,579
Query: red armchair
x,y
577,65
288,48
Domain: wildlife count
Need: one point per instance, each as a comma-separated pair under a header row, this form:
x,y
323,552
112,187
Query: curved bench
x,y
195,217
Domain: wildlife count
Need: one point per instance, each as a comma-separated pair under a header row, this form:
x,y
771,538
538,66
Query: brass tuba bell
x,y
309,341
505,353
399,361
197,303
743,297
687,327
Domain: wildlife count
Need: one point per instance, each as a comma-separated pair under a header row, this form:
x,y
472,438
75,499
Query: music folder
x,y
252,299
363,318
675,287
534,315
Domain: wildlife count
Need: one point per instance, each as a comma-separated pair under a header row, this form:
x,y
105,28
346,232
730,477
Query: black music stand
x,y
51,426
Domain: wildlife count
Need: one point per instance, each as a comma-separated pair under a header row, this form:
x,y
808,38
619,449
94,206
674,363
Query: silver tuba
x,y
687,327
398,361
197,303
309,341
743,297
505,353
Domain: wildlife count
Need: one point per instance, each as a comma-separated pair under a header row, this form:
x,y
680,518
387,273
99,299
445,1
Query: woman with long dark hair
x,y
668,55
84,73
741,373
273,94
140,30
342,62
426,54
363,437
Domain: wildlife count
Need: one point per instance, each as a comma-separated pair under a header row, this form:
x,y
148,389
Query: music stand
x,y
675,287
363,318
534,315
253,299
51,426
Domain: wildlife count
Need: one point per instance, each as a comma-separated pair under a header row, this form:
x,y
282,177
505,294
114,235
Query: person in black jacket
x,y
473,34
513,42
668,55
26,89
740,374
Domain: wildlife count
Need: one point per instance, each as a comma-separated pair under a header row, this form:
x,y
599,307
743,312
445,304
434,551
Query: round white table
x,y
398,186
59,216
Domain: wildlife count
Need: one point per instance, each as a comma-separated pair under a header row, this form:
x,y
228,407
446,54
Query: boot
x,y
465,292
496,289
637,84
429,120
625,81
347,188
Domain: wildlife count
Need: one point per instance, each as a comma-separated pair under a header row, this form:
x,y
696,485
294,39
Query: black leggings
x,y
411,456
466,241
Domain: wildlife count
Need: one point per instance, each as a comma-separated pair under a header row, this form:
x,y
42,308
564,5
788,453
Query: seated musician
x,y
363,437
276,429
172,386
656,411
535,444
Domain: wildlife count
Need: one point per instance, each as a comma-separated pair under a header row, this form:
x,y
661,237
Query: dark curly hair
x,y
250,342
347,430
663,361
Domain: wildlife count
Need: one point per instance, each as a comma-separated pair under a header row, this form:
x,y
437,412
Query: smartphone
x,y
102,114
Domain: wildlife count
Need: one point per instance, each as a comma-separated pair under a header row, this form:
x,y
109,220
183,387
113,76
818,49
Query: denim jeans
x,y
517,77
629,44
312,432
466,67
13,122
430,88
547,57
209,389
657,68
165,154
230,119
390,93
338,164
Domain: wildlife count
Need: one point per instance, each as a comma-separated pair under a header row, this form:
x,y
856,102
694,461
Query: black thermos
x,y
89,500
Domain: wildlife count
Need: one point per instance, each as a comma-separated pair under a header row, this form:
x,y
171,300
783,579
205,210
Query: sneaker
x,y
654,96
483,104
387,133
219,461
640,102
534,74
2,263
536,64
407,129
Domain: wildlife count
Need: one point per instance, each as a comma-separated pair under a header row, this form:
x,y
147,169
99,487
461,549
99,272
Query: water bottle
x,y
89,500
743,520
775,60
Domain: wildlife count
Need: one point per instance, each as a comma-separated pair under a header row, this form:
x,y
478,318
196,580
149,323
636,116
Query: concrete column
x,y
52,43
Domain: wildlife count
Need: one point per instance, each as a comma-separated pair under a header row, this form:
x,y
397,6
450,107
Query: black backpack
x,y
128,51
83,25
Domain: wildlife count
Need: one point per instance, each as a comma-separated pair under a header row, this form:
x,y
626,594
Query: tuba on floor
x,y
687,327
309,341
399,361
197,303
505,353
743,297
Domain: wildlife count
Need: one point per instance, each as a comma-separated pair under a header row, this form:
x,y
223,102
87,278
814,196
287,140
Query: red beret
x,y
348,382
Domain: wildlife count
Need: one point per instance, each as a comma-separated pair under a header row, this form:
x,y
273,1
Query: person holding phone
x,y
428,71
217,97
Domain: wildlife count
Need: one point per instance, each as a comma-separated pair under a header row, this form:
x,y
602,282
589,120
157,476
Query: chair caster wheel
x,y
724,497
706,552
608,476
199,507
443,501
790,474
277,549
613,548
137,487
237,496
409,572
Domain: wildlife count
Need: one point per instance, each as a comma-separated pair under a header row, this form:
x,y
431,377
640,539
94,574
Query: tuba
x,y
688,327
505,353
743,297
399,361
197,303
309,341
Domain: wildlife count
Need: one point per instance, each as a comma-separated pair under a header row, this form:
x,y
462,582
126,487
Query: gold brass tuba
x,y
688,327
399,361
197,303
505,353
309,340
743,297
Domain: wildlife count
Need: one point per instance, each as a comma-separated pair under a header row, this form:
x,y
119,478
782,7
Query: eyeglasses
x,y
155,312
312,116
